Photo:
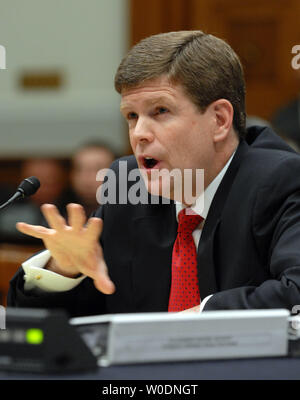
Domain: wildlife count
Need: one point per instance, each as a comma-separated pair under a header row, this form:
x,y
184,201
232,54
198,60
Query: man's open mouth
x,y
149,162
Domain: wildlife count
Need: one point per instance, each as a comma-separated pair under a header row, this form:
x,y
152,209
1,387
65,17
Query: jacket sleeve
x,y
84,299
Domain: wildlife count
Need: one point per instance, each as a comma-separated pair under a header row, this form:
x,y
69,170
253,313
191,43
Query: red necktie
x,y
184,285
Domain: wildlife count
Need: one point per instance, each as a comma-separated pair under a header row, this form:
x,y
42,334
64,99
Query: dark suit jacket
x,y
248,255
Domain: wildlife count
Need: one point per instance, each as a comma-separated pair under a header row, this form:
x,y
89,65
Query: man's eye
x,y
131,115
161,110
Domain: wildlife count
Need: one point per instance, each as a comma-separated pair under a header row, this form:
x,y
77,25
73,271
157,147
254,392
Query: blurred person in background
x,y
286,119
86,162
52,176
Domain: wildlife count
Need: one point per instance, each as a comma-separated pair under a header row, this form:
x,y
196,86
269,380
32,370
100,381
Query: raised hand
x,y
74,246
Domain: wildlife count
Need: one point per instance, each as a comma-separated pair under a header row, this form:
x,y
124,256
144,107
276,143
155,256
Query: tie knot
x,y
188,221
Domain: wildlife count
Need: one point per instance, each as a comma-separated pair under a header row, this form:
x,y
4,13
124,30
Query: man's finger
x,y
94,228
76,216
36,231
53,217
195,309
104,285
102,281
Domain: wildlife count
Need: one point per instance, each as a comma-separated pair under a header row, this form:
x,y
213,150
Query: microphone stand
x,y
27,188
12,199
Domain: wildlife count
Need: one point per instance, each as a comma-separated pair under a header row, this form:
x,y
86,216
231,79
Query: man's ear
x,y
223,113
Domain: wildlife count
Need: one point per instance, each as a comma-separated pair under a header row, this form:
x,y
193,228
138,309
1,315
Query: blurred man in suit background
x,y
87,160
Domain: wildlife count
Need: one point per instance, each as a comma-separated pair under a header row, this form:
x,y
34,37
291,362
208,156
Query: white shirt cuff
x,y
36,277
203,302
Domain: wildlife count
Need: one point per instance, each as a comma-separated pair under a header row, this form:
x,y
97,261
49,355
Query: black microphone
x,y
26,188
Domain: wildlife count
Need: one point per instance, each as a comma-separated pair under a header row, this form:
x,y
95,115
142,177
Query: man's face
x,y
52,178
167,131
86,164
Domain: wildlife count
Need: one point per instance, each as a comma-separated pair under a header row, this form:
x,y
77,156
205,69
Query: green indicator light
x,y
34,336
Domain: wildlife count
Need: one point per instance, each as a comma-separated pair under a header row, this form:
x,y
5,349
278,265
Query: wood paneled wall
x,y
262,32
148,17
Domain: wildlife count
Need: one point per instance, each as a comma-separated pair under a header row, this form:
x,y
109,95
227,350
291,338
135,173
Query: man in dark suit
x,y
183,97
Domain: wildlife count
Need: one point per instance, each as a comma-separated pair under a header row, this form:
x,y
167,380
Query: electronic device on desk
x,y
163,337
39,340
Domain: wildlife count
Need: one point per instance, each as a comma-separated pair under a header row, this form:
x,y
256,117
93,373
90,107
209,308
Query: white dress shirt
x,y
36,277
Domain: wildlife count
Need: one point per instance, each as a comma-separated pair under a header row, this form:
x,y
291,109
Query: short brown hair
x,y
205,65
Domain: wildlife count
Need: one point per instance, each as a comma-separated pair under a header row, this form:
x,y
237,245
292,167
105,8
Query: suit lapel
x,y
206,249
